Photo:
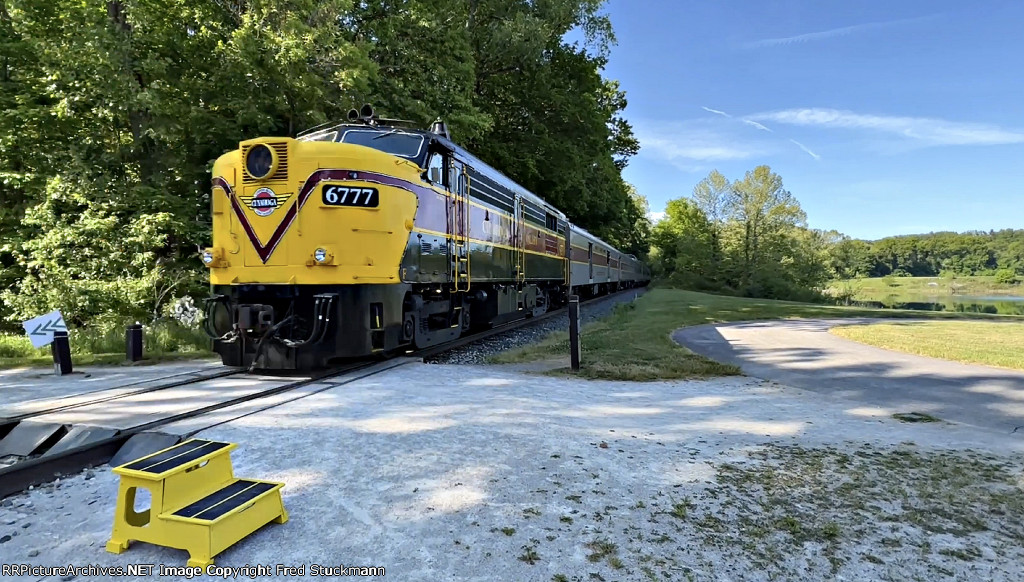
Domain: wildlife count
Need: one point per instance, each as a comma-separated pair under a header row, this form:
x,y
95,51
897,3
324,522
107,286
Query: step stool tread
x,y
224,500
175,457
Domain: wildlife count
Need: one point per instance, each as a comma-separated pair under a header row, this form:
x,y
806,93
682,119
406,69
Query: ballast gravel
x,y
486,473
478,352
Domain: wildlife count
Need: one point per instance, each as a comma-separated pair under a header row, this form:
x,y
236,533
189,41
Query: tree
x,y
111,113
766,215
134,99
850,258
712,196
424,62
557,126
684,241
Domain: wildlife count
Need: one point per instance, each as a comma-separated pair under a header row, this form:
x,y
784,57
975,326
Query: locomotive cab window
x,y
394,142
323,136
551,222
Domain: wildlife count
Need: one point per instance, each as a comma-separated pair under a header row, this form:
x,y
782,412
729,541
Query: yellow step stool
x,y
200,506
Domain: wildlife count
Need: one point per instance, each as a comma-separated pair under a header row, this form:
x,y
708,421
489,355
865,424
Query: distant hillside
x,y
999,252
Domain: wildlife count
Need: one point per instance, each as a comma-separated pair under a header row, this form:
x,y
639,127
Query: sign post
x,y
61,350
574,332
133,342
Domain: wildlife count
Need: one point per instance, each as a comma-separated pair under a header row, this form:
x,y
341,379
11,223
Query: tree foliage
x,y
933,254
750,237
111,114
747,236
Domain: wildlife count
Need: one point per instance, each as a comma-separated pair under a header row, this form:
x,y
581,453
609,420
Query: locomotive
x,y
372,237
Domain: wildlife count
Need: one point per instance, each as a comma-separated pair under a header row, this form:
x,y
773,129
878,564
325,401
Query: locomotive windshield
x,y
398,143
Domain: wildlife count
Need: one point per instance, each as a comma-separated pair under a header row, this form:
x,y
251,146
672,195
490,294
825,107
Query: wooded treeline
x,y
930,255
750,237
112,112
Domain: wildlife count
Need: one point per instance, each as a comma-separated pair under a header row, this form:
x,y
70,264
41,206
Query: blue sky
x,y
882,118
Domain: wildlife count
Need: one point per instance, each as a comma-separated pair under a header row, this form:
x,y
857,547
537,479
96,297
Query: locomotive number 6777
x,y
346,196
364,238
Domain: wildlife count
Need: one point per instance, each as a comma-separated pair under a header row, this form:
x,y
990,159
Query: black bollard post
x,y
133,342
574,332
61,349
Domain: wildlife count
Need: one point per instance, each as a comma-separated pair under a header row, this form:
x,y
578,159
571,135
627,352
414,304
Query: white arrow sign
x,y
40,329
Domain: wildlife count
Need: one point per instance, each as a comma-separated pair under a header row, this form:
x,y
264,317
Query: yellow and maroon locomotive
x,y
365,238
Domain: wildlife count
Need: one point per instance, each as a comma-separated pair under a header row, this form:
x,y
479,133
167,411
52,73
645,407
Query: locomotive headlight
x,y
320,255
207,258
260,161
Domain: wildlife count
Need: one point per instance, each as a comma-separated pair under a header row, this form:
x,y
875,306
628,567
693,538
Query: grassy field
x,y
971,342
163,341
917,288
634,343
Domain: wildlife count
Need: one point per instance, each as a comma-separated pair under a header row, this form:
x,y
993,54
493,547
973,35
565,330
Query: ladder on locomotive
x,y
519,242
459,229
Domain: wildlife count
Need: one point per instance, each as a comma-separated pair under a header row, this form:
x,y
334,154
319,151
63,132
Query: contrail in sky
x,y
806,149
824,34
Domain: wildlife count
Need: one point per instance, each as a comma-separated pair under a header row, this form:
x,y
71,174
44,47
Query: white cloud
x,y
926,130
806,149
833,32
687,144
655,216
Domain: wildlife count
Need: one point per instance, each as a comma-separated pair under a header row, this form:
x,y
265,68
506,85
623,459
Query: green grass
x,y
919,288
973,342
634,343
163,341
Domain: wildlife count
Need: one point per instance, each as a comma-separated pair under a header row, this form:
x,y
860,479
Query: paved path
x,y
801,353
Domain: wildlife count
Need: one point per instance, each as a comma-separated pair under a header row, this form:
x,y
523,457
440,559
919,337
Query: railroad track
x,y
115,393
21,475
466,340
34,471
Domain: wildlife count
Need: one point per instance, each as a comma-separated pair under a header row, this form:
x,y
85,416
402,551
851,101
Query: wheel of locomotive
x,y
408,327
543,302
411,306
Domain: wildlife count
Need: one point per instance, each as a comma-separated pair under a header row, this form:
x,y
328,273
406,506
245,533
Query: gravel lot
x,y
485,473
478,352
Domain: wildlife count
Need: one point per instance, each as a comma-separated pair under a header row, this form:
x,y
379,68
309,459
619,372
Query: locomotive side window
x,y
551,222
435,169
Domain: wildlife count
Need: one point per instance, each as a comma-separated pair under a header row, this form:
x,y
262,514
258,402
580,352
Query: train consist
x,y
366,238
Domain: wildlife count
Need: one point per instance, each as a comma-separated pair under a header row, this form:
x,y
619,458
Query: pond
x,y
1000,304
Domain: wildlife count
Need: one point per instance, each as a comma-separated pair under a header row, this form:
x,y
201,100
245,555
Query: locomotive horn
x,y
366,111
353,115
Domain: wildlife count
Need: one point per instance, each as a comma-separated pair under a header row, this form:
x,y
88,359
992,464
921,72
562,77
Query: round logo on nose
x,y
264,202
